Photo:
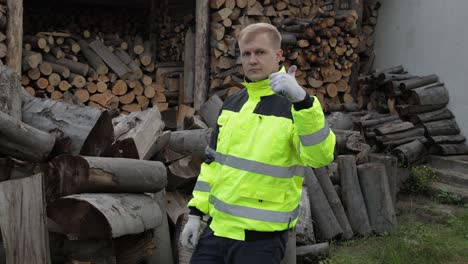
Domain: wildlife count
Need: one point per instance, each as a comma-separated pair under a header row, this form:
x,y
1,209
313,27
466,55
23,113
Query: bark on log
x,y
183,173
334,201
416,132
418,82
23,221
440,114
326,222
202,57
391,164
406,110
448,139
75,67
442,127
352,196
78,130
189,67
317,250
304,227
137,133
23,141
452,149
393,128
434,95
190,142
14,35
409,153
78,174
10,90
376,191
107,215
378,121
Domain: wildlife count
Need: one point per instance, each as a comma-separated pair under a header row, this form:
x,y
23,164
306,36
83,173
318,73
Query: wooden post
x,y
14,34
189,67
202,56
23,221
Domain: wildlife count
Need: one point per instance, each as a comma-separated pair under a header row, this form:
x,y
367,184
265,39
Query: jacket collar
x,y
259,88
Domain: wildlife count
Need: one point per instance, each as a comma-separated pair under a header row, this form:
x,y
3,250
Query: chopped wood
x,y
110,59
92,58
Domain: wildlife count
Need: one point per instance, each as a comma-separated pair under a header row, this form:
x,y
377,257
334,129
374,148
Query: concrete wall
x,y
428,37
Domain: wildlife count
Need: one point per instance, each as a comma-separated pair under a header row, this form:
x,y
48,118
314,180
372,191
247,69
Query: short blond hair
x,y
248,33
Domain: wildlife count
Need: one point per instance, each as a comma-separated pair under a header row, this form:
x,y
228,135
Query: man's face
x,y
259,57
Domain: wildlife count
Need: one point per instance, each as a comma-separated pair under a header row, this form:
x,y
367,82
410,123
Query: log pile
x,y
419,122
322,42
105,65
3,32
366,37
96,180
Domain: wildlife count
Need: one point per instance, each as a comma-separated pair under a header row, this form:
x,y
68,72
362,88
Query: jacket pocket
x,y
262,193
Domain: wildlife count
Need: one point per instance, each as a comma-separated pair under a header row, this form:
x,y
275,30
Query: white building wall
x,y
428,37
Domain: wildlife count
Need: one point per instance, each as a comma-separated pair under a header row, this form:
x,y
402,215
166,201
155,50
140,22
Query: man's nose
x,y
253,59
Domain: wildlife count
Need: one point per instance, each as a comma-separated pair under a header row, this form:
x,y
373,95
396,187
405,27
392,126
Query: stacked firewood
x,y
420,122
3,27
96,173
366,37
321,43
103,68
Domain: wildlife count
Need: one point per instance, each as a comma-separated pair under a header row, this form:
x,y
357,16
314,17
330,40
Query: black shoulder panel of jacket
x,y
235,101
274,105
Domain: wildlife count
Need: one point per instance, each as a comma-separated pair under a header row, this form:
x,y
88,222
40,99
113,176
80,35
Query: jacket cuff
x,y
304,104
195,211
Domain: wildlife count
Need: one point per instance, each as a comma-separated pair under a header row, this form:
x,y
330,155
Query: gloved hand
x,y
191,232
285,84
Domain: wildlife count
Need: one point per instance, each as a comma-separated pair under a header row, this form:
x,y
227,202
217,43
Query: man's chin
x,y
256,77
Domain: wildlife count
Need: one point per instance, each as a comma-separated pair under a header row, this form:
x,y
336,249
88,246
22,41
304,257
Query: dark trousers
x,y
219,250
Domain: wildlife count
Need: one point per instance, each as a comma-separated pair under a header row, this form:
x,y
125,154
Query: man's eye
x,y
260,52
245,54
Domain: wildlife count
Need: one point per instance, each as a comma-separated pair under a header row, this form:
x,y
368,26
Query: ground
x,y
428,232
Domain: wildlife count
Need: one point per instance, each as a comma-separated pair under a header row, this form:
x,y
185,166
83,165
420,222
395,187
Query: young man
x,y
268,136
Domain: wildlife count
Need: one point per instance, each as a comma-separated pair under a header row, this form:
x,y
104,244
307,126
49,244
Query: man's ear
x,y
279,55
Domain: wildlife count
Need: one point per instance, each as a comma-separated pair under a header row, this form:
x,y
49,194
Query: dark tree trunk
x,y
10,88
391,164
441,114
410,153
442,127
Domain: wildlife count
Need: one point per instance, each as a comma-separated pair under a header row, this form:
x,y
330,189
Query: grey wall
x,y
428,37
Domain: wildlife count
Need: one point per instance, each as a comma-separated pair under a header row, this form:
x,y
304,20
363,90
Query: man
x,y
267,137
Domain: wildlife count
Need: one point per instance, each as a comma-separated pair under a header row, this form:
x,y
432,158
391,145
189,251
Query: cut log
x,y
434,95
107,100
393,128
31,59
352,196
73,66
448,139
60,69
77,80
12,169
127,60
119,88
410,153
378,121
190,142
390,163
210,110
325,221
440,114
183,173
22,208
334,201
319,250
107,215
128,98
376,191
137,133
10,90
22,141
442,127
415,132
110,59
79,174
418,82
78,130
92,58
451,149
304,227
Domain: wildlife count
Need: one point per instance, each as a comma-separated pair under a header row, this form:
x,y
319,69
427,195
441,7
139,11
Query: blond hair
x,y
248,33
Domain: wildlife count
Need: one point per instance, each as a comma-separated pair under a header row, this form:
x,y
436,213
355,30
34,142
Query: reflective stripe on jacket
x,y
258,157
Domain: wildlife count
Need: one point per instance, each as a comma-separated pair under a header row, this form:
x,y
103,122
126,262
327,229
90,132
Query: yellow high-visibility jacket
x,y
258,157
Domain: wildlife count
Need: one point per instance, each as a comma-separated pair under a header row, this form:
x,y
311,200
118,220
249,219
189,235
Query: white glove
x,y
191,232
285,84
